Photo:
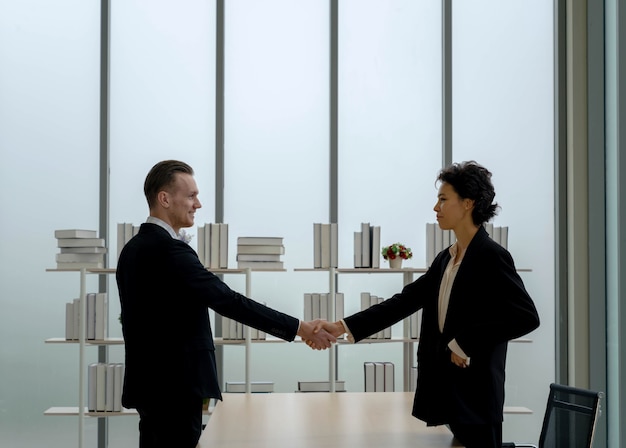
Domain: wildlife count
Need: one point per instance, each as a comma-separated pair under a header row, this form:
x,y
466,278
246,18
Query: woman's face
x,y
452,211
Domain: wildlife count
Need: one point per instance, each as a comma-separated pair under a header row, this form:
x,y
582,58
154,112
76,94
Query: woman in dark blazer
x,y
473,303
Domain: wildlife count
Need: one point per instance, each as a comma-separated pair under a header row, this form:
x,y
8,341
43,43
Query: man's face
x,y
182,201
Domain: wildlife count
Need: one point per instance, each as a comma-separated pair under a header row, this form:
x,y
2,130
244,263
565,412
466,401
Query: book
x,y
260,249
369,371
389,379
200,243
260,265
366,245
101,386
69,321
80,242
324,305
438,239
258,257
91,386
226,328
75,233
79,265
90,322
214,254
81,258
315,305
376,247
365,300
76,318
358,255
260,241
317,245
320,386
504,237
117,387
207,244
334,245
430,243
223,246
255,386
101,315
325,257
339,306
110,379
379,377
308,307
82,250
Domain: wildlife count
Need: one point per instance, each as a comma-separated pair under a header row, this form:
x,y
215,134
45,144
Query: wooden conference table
x,y
320,420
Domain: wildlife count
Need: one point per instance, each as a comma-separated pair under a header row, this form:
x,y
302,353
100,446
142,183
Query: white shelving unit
x,y
247,341
80,410
407,342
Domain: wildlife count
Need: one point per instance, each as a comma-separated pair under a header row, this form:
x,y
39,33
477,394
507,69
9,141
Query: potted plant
x,y
395,253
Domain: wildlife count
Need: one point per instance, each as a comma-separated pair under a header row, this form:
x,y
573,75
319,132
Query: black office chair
x,y
570,419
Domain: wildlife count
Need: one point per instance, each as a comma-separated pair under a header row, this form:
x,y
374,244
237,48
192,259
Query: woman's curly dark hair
x,y
472,181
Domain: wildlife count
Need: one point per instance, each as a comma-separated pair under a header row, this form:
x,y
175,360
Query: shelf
x,y
377,270
241,270
73,411
363,270
108,341
88,270
61,411
517,410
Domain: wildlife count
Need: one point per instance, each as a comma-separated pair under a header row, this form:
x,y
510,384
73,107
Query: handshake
x,y
320,334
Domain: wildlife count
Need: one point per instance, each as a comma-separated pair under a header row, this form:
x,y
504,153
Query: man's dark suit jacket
x,y
164,293
488,307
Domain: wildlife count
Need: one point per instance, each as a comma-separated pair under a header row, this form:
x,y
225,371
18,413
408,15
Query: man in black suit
x,y
473,303
165,293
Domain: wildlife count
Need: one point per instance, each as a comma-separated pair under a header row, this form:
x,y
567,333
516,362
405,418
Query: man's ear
x,y
163,198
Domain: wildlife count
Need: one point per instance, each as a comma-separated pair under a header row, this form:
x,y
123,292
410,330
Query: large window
x,y
277,162
503,118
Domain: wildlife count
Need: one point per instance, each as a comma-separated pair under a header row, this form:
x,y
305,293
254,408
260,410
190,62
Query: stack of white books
x,y
79,249
260,252
367,246
500,234
320,386
368,300
96,321
255,387
438,240
213,245
234,330
125,231
379,376
415,324
317,306
104,387
325,245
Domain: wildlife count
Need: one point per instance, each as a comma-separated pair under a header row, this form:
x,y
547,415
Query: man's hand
x,y
458,360
315,336
334,328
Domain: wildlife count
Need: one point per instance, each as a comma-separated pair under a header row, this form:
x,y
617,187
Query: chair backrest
x,y
570,418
